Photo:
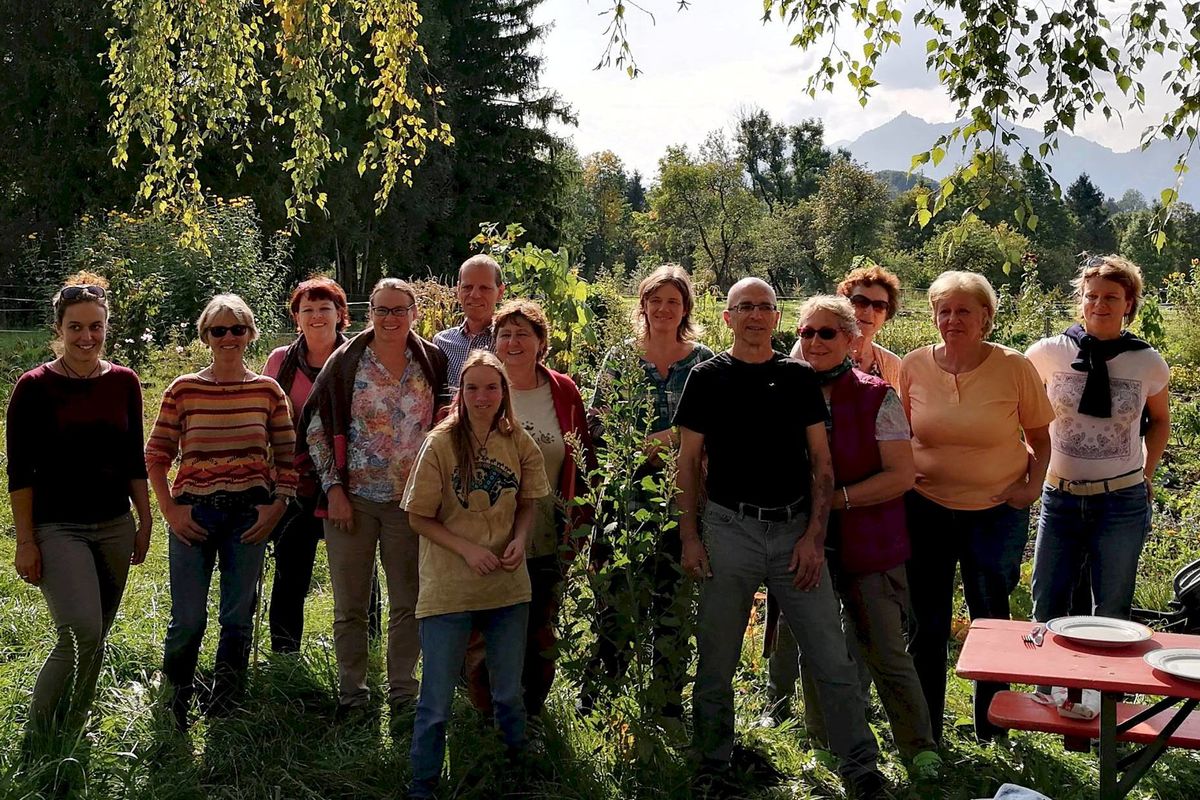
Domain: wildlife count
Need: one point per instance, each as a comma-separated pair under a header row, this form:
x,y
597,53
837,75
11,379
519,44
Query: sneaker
x,y
774,714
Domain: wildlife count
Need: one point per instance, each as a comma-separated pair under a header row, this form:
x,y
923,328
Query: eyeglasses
x,y
81,290
862,301
219,331
395,311
746,308
827,334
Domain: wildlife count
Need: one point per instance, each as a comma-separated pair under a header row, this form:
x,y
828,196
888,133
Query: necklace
x,y
62,362
213,377
483,444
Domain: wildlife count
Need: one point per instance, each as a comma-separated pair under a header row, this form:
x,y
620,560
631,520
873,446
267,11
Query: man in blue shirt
x,y
480,287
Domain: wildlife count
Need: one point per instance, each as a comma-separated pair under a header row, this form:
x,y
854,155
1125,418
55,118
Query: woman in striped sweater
x,y
232,433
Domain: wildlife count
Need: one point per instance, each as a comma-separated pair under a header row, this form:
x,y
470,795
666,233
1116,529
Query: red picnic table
x,y
994,651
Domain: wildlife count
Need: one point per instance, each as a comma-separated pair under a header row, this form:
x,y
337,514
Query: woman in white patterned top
x,y
1112,420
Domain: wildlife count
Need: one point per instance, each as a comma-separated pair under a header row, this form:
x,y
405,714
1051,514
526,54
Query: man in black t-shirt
x,y
760,417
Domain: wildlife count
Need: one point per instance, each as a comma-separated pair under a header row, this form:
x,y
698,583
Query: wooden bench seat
x,y
1019,710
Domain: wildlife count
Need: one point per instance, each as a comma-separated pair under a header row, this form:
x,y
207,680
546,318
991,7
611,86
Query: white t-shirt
x,y
1087,448
535,411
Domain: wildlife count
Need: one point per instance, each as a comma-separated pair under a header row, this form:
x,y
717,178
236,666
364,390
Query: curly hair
x,y
873,275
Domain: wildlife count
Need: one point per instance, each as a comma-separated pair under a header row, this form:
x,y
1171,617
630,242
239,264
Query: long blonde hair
x,y
458,424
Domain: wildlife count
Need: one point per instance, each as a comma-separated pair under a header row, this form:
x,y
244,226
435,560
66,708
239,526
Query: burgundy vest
x,y
868,538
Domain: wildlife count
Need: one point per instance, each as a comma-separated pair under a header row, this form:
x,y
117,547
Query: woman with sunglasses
x,y
1112,421
364,423
231,431
868,536
321,314
875,294
76,538
981,443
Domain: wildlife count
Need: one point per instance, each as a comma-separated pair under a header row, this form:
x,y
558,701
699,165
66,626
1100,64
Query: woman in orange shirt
x,y
981,444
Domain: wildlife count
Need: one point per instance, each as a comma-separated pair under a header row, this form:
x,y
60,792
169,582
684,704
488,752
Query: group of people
x,y
850,482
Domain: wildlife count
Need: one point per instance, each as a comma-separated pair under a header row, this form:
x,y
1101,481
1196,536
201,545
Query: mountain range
x,y
891,147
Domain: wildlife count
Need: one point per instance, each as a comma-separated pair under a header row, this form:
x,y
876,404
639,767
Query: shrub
x,y
158,282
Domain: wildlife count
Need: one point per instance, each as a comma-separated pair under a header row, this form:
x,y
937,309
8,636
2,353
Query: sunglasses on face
x,y
827,334
81,290
862,301
219,331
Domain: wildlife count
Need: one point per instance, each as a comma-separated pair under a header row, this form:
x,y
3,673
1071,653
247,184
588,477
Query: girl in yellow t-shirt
x,y
470,497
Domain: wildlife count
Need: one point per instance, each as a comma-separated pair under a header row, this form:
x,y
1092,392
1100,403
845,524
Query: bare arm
x,y
691,453
1023,491
1159,431
896,477
179,517
808,554
140,494
478,558
28,559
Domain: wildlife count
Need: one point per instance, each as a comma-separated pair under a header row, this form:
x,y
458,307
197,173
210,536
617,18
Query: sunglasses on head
x,y
219,331
862,301
827,334
81,291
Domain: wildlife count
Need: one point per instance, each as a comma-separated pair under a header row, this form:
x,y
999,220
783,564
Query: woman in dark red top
x,y
74,463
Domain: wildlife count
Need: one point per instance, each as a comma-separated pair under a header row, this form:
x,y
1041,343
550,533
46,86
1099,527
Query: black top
x,y
76,442
754,419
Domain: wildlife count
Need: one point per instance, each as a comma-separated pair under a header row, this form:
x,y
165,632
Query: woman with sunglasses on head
x,y
668,348
472,497
875,294
981,443
868,535
1112,420
76,538
231,432
365,421
320,311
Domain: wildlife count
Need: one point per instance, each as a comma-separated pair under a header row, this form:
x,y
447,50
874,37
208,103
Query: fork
x,y
1035,637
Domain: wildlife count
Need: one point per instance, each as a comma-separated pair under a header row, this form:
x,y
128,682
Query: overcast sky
x,y
700,66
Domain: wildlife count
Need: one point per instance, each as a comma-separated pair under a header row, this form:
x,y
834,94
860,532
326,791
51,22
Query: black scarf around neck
x,y
828,376
1094,355
295,359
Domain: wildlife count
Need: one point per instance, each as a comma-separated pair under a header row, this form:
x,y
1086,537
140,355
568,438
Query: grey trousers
x,y
744,554
874,608
351,567
84,568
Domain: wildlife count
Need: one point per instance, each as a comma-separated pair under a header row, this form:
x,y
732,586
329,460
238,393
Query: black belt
x,y
786,513
227,501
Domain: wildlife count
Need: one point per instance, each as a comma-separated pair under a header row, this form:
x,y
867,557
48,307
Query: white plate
x,y
1182,662
1099,631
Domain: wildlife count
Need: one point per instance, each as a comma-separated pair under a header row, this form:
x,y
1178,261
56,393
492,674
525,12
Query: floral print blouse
x,y
389,418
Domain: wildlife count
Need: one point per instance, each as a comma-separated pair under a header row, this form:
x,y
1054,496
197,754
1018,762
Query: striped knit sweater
x,y
228,437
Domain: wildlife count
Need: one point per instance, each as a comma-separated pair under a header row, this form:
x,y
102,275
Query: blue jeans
x,y
444,645
744,554
1107,530
989,544
191,570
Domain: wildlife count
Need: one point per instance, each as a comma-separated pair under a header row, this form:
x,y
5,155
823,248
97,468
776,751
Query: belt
x,y
227,501
1085,488
776,514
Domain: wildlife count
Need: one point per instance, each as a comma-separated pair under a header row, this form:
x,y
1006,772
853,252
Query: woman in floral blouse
x,y
365,422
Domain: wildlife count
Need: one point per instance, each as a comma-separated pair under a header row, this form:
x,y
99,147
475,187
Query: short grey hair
x,y
835,304
235,306
971,283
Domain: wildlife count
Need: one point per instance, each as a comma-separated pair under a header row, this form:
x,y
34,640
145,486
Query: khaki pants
x,y
351,565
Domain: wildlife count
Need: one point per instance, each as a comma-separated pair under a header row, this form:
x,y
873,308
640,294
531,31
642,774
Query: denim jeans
x,y
1107,530
191,569
443,645
989,544
744,554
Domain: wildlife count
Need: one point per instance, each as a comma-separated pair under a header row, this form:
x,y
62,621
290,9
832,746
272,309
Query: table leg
x,y
1108,747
